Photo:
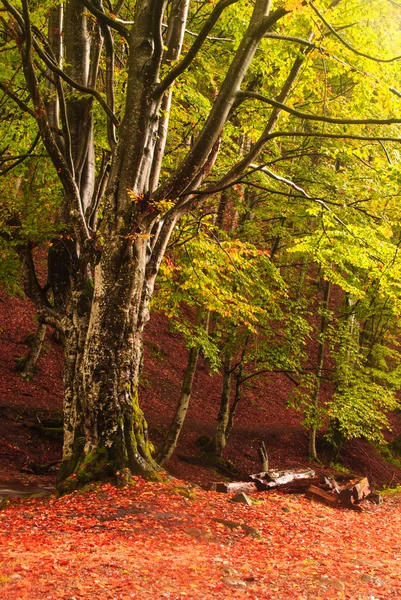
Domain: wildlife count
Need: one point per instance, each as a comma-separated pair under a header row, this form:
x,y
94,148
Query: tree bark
x,y
104,353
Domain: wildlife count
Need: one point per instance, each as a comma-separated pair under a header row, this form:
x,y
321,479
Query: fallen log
x,y
279,479
234,487
322,489
316,493
298,486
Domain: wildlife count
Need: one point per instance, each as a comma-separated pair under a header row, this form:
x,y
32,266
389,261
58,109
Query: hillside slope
x,y
262,415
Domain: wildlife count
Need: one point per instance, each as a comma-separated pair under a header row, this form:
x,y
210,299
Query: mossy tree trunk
x,y
106,431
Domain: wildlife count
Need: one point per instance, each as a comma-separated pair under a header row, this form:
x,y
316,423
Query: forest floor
x,y
175,539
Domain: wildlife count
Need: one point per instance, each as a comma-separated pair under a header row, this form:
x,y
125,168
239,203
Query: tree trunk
x,y
319,372
170,442
220,439
237,397
105,430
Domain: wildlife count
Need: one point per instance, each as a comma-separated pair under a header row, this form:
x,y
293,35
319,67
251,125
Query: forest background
x,y
233,165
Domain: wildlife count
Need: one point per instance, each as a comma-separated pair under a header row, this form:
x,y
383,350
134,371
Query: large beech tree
x,y
123,192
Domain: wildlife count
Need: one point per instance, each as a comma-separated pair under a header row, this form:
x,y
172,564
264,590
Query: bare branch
x,y
14,12
238,168
295,187
65,126
34,290
290,38
385,152
81,88
109,44
51,63
333,136
65,175
195,160
210,39
158,8
174,39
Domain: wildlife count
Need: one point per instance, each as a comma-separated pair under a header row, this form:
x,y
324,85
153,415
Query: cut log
x,y
299,486
375,498
316,493
321,488
330,484
234,487
354,492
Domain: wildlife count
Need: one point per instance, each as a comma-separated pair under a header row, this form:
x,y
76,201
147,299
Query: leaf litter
x,y
150,541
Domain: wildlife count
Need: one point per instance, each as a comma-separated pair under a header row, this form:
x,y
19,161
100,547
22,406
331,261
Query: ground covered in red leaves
x,y
165,540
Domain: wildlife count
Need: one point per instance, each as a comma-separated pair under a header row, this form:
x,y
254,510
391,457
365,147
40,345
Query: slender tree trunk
x,y
237,397
319,372
170,442
220,439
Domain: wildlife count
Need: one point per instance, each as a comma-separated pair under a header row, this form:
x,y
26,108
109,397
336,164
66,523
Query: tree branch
x,y
193,51
48,59
101,15
24,107
174,39
210,39
346,44
236,170
333,136
19,159
33,289
65,126
81,88
309,117
63,171
109,44
290,38
14,12
158,8
195,160
295,187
